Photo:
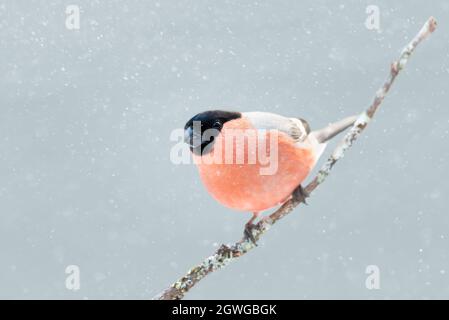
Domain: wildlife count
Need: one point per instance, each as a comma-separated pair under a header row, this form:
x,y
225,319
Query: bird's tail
x,y
325,134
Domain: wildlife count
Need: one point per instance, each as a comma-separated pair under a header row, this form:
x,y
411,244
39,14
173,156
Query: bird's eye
x,y
217,124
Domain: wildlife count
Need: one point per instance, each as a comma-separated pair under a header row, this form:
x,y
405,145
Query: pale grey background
x,y
85,174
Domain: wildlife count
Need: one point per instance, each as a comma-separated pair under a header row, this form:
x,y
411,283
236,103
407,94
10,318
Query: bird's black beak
x,y
192,138
188,132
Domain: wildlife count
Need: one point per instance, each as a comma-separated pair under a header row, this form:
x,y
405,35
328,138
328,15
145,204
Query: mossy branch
x,y
228,253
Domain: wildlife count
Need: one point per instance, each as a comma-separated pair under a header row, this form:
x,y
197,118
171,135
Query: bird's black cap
x,y
209,120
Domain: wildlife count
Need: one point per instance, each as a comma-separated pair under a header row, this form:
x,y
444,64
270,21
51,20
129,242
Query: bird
x,y
232,151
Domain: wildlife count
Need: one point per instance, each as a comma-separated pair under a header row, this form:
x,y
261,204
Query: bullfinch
x,y
254,161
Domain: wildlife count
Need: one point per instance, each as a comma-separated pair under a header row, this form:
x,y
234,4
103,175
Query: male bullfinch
x,y
233,151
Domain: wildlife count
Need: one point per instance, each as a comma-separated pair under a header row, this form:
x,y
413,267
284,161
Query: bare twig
x,y
227,253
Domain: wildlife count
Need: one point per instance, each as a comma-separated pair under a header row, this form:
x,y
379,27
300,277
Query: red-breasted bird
x,y
233,151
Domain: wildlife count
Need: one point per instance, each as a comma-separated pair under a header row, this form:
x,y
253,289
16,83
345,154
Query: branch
x,y
228,253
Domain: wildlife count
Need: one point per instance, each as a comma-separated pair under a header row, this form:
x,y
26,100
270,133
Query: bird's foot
x,y
300,194
248,232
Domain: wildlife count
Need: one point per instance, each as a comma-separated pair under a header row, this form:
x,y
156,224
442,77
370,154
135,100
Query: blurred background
x,y
85,171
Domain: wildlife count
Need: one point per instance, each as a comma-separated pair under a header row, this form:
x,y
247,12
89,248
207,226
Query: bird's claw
x,y
300,194
248,233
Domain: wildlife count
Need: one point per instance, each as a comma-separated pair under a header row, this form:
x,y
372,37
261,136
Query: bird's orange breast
x,y
241,186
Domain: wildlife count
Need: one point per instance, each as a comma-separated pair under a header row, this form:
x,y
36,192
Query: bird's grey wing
x,y
295,128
